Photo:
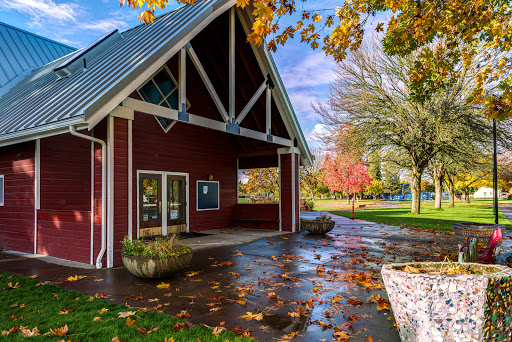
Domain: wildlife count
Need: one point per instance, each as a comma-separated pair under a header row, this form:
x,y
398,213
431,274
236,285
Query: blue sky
x,y
306,73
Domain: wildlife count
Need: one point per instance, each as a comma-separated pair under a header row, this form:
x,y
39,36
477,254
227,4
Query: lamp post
x,y
495,171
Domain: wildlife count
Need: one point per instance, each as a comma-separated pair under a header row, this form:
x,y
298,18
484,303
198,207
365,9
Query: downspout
x,y
73,131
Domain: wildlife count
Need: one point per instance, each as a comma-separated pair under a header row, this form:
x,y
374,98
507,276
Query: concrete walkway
x,y
301,269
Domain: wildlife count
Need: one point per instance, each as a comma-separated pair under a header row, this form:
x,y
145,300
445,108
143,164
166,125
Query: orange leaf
x,y
59,331
130,322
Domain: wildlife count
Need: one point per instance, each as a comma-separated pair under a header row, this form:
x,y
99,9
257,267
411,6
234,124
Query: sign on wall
x,y
207,195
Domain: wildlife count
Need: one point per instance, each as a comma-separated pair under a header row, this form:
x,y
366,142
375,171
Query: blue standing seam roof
x,y
22,51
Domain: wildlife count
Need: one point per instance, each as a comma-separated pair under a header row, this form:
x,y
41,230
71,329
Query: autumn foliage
x,y
345,172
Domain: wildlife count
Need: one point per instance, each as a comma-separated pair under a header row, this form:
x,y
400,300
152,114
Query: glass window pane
x,y
150,93
164,122
173,99
164,82
175,199
150,199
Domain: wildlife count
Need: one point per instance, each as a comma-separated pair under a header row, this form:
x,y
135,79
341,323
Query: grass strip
x,y
430,219
26,302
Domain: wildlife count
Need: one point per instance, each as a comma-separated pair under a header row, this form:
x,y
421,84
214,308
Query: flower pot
x,y
317,227
146,267
450,307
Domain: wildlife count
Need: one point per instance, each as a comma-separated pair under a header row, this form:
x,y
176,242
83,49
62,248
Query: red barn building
x,y
141,133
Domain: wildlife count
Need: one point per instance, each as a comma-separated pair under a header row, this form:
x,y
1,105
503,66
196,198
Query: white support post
x,y
207,82
91,261
293,192
130,179
251,102
37,188
268,111
232,49
182,80
110,192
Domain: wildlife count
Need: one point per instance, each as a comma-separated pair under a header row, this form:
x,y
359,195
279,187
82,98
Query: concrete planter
x,y
146,267
450,307
317,227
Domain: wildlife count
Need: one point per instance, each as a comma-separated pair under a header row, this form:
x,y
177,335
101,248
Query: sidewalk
x,y
301,269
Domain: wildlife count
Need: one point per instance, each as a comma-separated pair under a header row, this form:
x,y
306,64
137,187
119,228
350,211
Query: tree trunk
x,y
466,195
438,182
416,190
312,196
348,199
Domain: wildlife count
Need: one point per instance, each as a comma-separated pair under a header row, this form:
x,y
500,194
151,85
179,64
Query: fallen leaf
x,y
250,316
183,314
217,330
96,319
101,311
125,314
59,331
130,322
163,285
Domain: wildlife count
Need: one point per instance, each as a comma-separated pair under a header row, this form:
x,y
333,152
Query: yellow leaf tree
x,y
263,182
444,33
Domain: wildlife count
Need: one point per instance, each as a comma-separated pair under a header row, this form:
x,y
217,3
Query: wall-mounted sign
x,y
207,195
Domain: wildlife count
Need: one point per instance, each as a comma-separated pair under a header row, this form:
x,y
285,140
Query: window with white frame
x,y
162,90
2,186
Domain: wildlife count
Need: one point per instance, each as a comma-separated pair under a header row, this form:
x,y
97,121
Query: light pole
x,y
495,171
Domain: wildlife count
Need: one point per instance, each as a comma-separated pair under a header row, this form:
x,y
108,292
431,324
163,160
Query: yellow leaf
x,y
163,285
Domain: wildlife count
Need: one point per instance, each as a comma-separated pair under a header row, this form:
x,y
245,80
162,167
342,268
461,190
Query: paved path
x,y
319,263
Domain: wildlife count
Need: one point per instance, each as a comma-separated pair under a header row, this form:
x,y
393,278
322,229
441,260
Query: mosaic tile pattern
x,y
450,308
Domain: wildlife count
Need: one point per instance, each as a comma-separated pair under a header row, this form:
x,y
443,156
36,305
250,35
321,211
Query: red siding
x,y
65,173
264,215
17,214
64,234
64,221
120,185
188,149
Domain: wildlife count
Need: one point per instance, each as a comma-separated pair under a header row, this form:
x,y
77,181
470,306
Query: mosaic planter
x,y
450,307
146,267
317,227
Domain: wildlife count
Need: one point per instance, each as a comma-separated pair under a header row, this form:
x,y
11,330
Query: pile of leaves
x,y
161,247
448,269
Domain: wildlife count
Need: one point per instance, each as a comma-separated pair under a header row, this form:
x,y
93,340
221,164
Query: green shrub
x,y
161,247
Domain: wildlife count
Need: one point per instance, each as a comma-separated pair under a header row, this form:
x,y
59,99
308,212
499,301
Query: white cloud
x,y
317,131
104,25
315,69
44,10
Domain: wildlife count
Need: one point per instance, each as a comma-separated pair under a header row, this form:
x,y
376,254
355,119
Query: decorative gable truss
x,y
169,104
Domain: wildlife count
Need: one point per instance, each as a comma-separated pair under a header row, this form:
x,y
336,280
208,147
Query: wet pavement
x,y
320,279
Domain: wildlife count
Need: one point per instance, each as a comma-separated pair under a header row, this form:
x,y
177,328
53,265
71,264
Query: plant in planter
x,y
156,258
321,225
444,301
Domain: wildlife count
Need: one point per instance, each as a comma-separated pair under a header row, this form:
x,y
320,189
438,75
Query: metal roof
x,y
43,101
42,98
22,52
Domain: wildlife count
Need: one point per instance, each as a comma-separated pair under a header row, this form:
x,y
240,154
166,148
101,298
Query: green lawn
x,y
430,218
51,307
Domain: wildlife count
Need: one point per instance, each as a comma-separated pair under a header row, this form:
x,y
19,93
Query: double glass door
x,y
162,212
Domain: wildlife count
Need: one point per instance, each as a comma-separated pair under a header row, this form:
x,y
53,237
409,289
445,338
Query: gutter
x,y
73,131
